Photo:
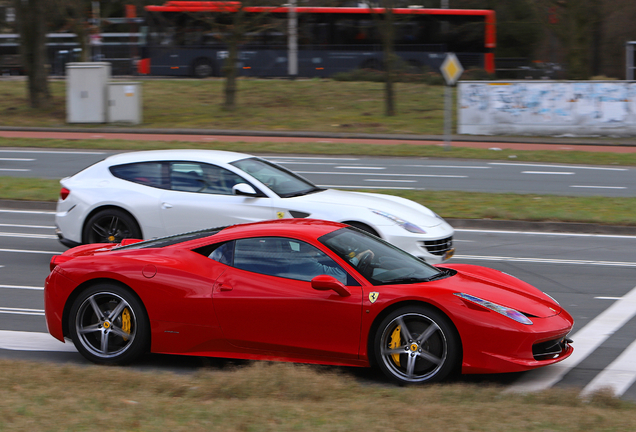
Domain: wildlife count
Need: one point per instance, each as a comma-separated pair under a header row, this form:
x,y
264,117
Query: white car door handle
x,y
166,205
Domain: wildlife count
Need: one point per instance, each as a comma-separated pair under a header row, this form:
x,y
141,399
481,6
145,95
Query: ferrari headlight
x,y
401,222
506,311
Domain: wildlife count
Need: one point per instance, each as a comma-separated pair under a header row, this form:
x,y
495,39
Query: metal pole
x,y
629,61
292,41
448,117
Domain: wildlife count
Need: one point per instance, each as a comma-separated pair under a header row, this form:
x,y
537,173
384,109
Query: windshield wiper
x,y
442,274
301,193
404,280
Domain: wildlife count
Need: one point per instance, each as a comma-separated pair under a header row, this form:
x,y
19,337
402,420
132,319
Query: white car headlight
x,y
401,222
506,311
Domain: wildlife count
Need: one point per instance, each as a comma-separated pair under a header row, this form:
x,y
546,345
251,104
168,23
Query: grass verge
x,y
281,397
448,204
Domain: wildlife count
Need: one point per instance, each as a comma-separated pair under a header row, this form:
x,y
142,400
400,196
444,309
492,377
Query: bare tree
x,y
31,24
575,23
234,24
384,19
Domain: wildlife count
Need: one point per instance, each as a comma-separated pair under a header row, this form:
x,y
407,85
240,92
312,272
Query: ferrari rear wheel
x,y
110,226
108,325
416,345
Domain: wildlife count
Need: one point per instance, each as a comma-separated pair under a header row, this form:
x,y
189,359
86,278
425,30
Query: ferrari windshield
x,y
378,261
281,181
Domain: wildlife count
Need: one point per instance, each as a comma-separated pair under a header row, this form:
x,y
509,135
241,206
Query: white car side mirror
x,y
243,189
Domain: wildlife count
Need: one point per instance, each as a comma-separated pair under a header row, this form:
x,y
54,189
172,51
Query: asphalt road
x,y
592,276
382,173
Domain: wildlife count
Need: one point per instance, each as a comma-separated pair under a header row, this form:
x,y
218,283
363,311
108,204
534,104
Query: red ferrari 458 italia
x,y
300,290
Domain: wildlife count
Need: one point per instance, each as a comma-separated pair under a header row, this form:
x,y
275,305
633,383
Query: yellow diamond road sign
x,y
451,69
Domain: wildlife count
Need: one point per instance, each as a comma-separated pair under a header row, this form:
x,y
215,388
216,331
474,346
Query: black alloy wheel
x,y
109,325
417,344
110,226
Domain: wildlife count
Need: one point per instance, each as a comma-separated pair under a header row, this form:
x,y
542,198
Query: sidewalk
x,y
598,144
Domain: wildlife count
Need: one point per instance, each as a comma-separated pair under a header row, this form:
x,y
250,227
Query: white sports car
x,y
150,194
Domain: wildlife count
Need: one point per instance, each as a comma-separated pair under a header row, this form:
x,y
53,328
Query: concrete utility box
x,y
87,92
124,102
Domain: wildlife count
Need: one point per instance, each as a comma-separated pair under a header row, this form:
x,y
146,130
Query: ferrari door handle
x,y
223,287
166,205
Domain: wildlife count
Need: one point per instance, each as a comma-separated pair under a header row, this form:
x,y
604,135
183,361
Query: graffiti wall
x,y
581,108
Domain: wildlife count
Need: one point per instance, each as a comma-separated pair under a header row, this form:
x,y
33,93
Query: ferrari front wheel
x,y
416,345
109,325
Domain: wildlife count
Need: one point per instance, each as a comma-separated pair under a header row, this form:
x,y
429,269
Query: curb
x,y
597,141
532,226
481,224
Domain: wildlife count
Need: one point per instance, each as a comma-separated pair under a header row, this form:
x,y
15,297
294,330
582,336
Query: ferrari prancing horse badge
x,y
373,296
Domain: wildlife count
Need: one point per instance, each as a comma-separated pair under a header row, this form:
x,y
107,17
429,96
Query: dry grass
x,y
309,105
280,397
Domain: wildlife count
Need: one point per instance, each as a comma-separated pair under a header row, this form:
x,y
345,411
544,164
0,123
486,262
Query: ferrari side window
x,y
286,258
265,255
307,262
224,253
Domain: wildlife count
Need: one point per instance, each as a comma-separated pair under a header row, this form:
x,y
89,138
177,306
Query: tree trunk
x,y
32,28
237,32
389,62
230,75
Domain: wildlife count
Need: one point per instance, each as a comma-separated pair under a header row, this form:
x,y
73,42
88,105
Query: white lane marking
x,y
547,261
16,159
31,251
285,162
444,166
383,174
53,152
27,211
547,172
618,376
361,167
598,187
14,169
27,226
32,341
21,311
546,233
25,235
586,341
607,298
21,287
559,166
367,187
312,158
391,181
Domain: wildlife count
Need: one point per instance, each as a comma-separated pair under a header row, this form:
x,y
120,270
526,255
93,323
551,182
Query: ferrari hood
x,y
501,288
329,203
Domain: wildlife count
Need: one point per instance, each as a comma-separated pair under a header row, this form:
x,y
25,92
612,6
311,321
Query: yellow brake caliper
x,y
125,321
395,343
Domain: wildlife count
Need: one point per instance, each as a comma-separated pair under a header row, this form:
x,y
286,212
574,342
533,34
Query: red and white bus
x,y
184,40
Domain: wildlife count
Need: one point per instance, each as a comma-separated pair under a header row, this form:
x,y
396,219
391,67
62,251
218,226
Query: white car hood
x,y
334,204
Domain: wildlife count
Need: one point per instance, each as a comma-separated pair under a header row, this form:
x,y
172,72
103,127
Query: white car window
x,y
280,180
202,178
145,173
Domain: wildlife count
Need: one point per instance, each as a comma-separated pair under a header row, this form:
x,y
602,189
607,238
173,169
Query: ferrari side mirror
x,y
326,283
